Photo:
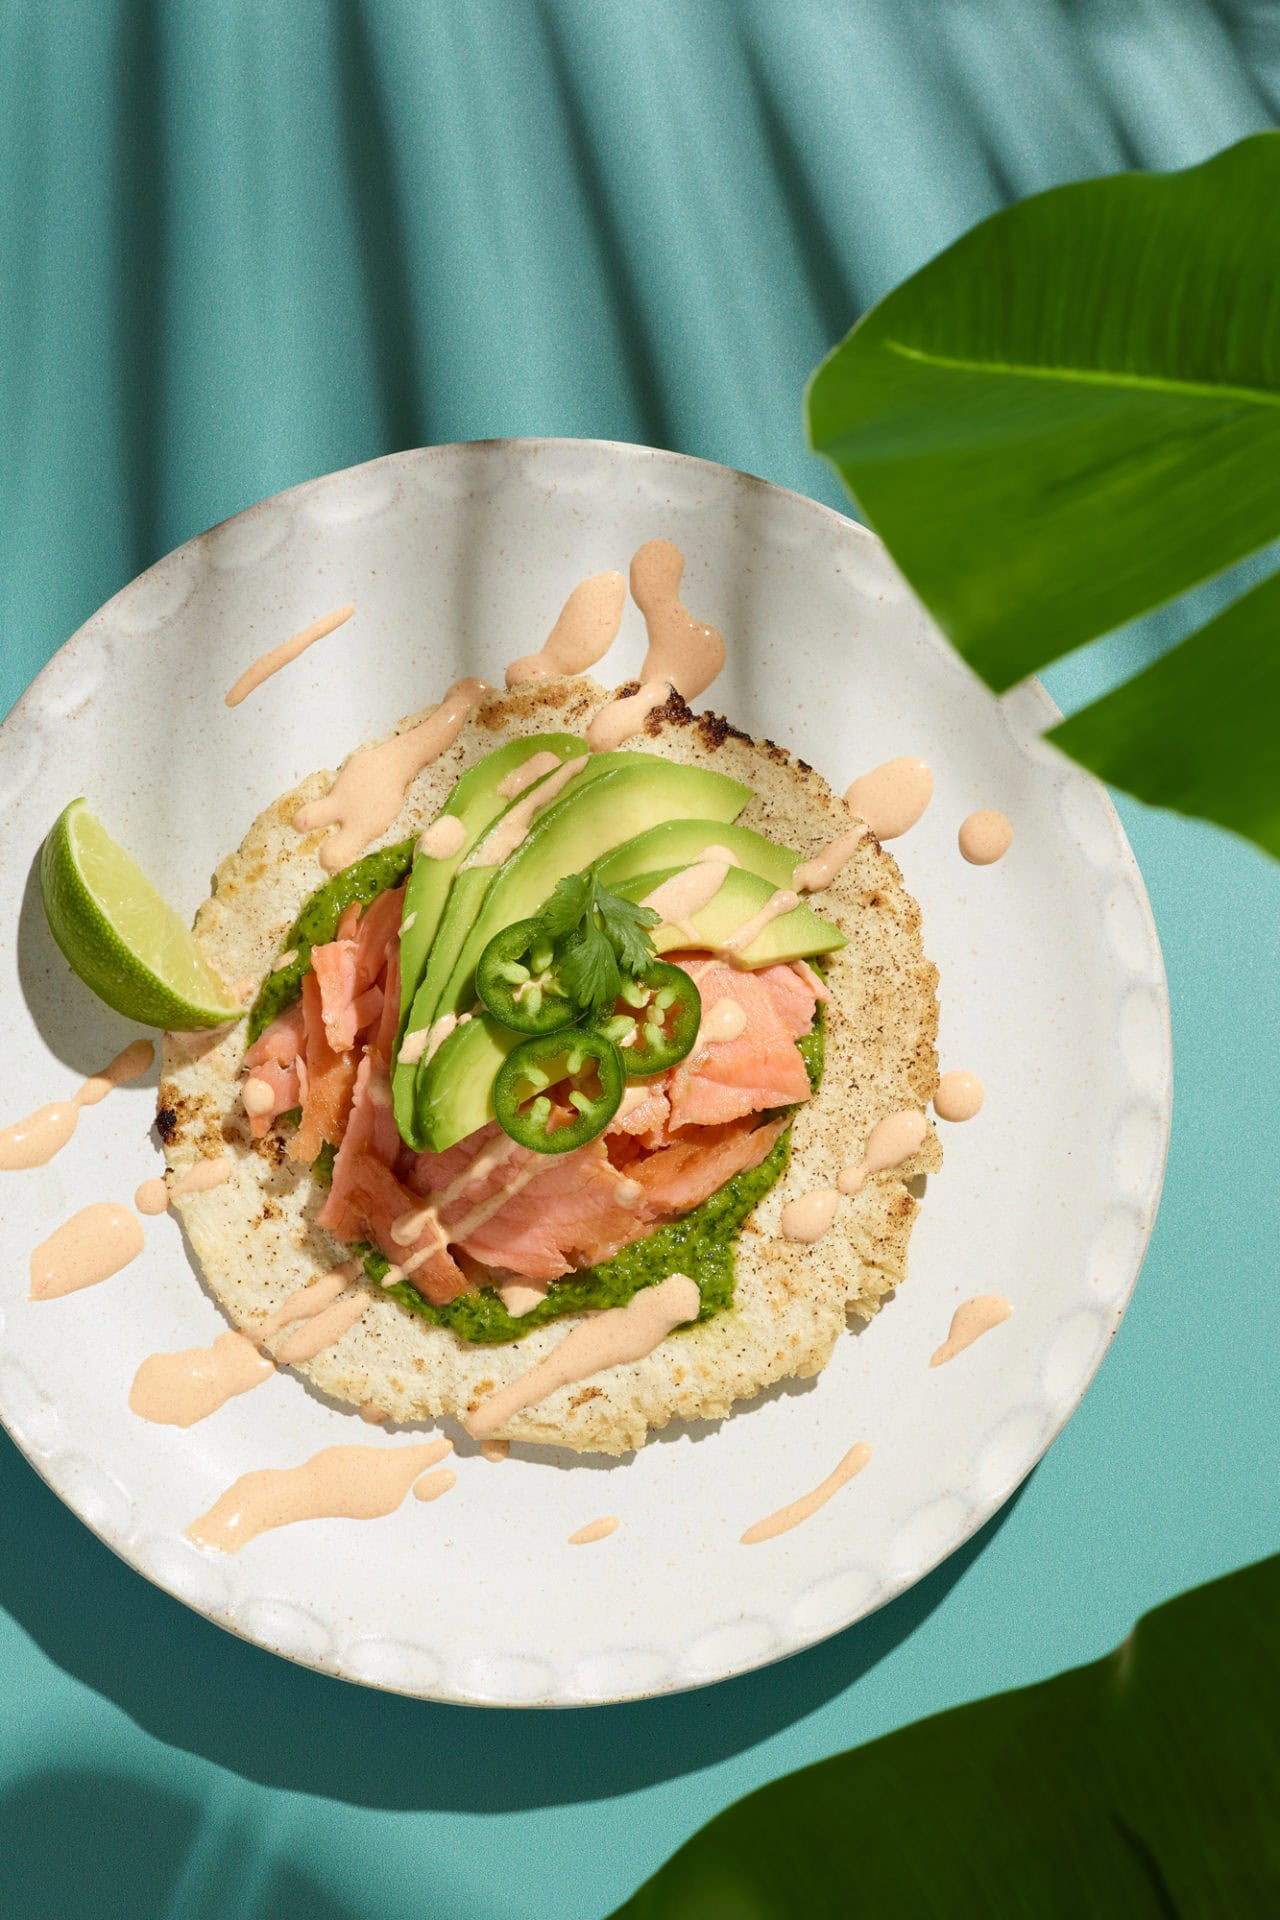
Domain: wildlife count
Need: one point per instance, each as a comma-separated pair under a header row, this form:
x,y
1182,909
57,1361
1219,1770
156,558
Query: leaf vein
x,y
1085,376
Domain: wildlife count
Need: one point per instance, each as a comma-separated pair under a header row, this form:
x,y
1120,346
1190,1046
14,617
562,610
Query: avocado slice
x,y
640,792
797,935
677,843
454,1092
477,803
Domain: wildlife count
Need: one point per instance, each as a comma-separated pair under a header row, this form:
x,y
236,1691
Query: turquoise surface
x,y
242,244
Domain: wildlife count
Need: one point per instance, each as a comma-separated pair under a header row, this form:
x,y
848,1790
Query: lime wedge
x,y
120,936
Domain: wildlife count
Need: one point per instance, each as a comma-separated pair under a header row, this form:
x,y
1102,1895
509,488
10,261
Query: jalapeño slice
x,y
655,1020
577,1070
517,977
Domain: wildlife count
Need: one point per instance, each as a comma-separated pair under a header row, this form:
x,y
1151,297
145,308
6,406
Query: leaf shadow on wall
x,y
78,1845
195,1687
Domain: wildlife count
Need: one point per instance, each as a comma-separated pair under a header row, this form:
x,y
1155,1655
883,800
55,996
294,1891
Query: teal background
x,y
249,242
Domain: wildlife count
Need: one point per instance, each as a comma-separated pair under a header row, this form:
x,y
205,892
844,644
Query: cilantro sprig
x,y
598,939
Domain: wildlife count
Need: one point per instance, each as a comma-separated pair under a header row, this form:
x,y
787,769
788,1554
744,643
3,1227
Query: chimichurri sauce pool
x,y
701,1245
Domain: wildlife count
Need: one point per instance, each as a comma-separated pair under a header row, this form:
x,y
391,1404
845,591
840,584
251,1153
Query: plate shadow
x,y
188,1683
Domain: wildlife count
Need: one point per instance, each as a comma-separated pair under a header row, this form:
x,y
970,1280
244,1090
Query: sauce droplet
x,y
787,1517
809,1216
89,1247
33,1141
682,651
347,1483
152,1196
258,1096
432,1485
985,838
494,1450
372,1415
971,1319
271,662
726,1020
369,791
442,839
608,1339
892,797
521,1296
890,1142
594,1530
585,631
959,1096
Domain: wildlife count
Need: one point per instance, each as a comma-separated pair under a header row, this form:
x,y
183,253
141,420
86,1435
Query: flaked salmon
x,y
497,1206
761,1067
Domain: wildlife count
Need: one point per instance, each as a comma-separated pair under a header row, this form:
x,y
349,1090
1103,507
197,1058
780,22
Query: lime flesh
x,y
122,938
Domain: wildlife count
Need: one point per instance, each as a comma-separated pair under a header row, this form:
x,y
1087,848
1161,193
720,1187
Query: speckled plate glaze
x,y
458,559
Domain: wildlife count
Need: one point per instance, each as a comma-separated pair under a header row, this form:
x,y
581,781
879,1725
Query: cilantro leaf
x,y
589,970
625,923
597,937
568,906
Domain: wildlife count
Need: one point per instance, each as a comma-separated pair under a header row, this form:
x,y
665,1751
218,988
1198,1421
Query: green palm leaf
x,y
1069,418
1142,1786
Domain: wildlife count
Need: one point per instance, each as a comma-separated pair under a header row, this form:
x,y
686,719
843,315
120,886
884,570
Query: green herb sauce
x,y
318,923
701,1245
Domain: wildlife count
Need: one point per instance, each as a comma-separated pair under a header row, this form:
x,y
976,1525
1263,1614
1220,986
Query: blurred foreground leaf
x,y
1145,1785
1069,418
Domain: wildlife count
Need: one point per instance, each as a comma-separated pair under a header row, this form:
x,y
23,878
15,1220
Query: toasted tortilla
x,y
255,1235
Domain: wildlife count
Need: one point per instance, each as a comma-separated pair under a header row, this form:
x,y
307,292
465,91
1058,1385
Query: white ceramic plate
x,y
458,559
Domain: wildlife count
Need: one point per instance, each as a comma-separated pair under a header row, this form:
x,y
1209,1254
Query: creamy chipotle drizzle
x,y
985,838
608,1339
621,720
348,1483
89,1247
787,1517
585,631
205,1175
812,876
322,1330
892,797
522,777
679,900
971,1319
682,651
368,792
33,1141
516,822
177,1389
269,663
777,904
